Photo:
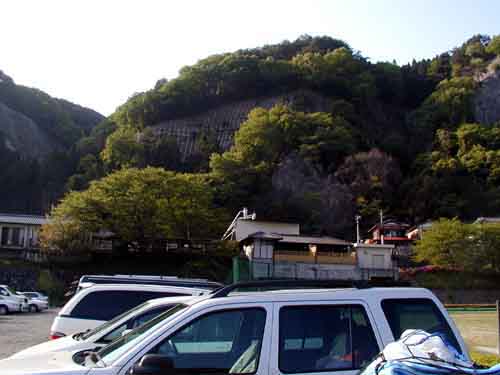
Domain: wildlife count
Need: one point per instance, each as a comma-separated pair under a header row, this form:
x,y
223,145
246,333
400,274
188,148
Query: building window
x,y
5,236
12,236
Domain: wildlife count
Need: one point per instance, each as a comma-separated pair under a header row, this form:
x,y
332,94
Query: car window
x,y
3,292
417,313
325,338
226,342
133,323
105,305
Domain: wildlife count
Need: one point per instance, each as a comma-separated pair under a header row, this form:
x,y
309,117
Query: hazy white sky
x,y
97,53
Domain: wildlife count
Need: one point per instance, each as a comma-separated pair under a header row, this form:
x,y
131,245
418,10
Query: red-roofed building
x,y
393,232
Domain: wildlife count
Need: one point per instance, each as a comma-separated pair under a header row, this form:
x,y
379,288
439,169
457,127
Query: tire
x,y
4,310
33,308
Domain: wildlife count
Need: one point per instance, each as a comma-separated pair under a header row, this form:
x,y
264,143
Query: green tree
x,y
122,149
494,45
140,206
448,243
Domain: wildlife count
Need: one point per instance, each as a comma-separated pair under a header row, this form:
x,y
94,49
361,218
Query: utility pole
x,y
357,218
381,227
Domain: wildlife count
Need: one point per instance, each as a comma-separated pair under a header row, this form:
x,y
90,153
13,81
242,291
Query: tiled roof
x,y
22,219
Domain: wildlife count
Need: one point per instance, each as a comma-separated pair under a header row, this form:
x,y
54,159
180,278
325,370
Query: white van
x,y
306,332
97,304
10,301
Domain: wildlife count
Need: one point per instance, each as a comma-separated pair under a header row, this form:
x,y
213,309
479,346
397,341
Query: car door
x,y
227,339
314,337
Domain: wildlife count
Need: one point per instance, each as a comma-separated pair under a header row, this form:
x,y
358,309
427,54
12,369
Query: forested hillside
x,y
335,134
38,135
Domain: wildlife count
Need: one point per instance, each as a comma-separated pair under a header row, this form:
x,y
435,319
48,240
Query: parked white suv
x,y
97,304
264,333
10,301
104,334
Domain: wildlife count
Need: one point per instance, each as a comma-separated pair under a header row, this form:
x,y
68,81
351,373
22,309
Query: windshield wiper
x,y
95,358
79,336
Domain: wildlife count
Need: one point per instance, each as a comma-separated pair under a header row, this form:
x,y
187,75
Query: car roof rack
x,y
268,285
151,280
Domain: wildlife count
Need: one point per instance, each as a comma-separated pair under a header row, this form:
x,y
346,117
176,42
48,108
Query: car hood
x,y
52,363
62,344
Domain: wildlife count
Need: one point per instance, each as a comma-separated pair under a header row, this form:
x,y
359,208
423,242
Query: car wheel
x,y
4,310
33,308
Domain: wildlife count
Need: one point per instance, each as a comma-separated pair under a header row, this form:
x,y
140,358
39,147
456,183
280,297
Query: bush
x,y
52,287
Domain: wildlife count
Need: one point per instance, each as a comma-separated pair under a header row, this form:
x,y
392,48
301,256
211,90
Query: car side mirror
x,y
153,364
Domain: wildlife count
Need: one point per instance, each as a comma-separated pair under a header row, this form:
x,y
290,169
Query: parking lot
x,y
20,331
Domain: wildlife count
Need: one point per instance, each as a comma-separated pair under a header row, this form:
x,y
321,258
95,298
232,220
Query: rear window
x,y
417,313
105,305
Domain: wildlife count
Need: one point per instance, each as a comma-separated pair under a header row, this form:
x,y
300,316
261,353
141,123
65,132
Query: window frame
x,y
157,294
200,317
189,316
275,368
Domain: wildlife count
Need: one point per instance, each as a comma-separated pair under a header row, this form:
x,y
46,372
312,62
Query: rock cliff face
x,y
222,122
22,135
487,101
33,124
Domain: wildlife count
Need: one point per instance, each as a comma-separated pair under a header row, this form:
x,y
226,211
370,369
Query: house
x,y
20,232
416,232
393,232
279,250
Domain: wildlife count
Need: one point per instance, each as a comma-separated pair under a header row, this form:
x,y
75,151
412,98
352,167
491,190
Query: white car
x,y
11,302
36,295
265,333
35,304
95,305
107,332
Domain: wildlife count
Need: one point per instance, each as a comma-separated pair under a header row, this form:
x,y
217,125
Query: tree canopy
x,y
139,206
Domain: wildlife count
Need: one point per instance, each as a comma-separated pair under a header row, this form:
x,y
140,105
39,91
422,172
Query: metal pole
x,y
498,327
381,227
357,218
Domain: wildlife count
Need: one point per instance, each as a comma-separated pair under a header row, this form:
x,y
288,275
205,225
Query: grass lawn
x,y
487,360
478,328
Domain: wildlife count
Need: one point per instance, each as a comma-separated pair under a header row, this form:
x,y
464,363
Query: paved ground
x,y
20,331
479,330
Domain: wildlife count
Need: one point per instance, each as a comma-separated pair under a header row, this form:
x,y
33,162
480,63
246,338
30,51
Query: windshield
x,y
110,353
10,290
109,323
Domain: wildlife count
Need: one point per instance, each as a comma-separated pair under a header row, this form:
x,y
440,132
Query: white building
x,y
20,232
278,250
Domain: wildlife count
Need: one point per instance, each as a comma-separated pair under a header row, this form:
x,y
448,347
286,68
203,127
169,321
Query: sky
x,y
97,53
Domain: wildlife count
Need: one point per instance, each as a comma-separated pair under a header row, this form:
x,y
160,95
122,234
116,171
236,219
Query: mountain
x,y
38,136
336,134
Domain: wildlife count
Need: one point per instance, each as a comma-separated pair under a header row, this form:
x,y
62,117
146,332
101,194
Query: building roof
x,y
390,224
314,240
263,236
480,220
22,219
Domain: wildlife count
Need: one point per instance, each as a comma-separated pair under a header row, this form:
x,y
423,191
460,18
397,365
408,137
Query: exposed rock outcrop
x,y
222,122
22,135
487,101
